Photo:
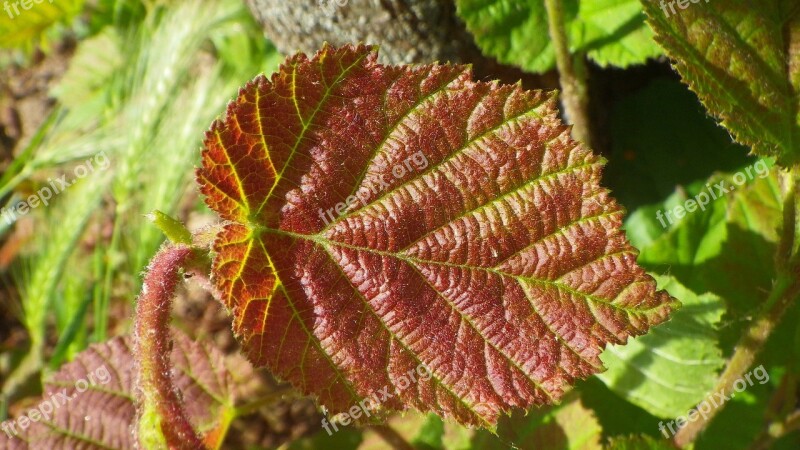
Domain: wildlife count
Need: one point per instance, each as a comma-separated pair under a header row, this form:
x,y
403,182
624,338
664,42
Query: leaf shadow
x,y
630,26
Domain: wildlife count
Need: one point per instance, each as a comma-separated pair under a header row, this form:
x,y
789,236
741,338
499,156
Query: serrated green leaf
x,y
743,61
612,32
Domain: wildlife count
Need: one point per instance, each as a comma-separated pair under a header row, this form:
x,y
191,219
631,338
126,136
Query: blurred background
x,y
121,91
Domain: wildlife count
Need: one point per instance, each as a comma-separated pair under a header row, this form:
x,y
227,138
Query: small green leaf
x,y
612,32
175,231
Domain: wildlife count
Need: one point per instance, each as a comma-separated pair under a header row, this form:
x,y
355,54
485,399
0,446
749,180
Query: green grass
x,y
142,95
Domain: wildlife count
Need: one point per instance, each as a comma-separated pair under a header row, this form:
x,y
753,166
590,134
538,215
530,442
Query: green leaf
x,y
640,442
673,367
384,220
612,32
430,434
24,28
704,250
569,426
174,229
344,439
744,64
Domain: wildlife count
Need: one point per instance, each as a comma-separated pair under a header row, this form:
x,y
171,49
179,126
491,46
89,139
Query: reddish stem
x,y
153,344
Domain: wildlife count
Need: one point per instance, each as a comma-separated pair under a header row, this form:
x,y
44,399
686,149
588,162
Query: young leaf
x,y
408,233
744,64
92,406
612,32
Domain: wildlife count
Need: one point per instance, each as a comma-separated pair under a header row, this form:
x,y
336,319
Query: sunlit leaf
x,y
674,367
22,27
612,32
743,61
476,246
92,399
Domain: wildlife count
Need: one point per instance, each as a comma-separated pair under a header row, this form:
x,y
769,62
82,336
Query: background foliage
x,y
140,80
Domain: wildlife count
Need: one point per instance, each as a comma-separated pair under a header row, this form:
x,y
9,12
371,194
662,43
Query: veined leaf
x,y
743,61
384,222
612,32
704,251
91,400
676,365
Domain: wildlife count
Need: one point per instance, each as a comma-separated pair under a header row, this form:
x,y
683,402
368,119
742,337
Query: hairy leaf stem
x,y
162,418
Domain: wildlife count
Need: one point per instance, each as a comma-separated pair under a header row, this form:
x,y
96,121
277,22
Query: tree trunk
x,y
408,31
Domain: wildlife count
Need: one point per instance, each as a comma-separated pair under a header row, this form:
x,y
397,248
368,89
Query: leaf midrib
x,y
416,262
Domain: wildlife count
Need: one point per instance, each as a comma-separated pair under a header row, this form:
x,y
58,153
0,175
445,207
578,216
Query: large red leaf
x,y
477,240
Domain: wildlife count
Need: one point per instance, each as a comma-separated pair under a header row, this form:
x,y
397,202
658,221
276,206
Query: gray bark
x,y
408,31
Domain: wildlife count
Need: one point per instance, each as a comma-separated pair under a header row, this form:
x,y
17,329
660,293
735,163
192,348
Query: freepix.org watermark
x,y
421,373
682,4
714,192
44,411
417,162
54,187
329,6
714,401
25,4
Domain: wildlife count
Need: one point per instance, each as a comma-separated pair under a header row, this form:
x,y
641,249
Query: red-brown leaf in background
x,y
91,399
477,240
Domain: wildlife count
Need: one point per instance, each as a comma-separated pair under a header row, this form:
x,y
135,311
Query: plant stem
x,y
392,437
572,74
160,411
266,400
784,291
